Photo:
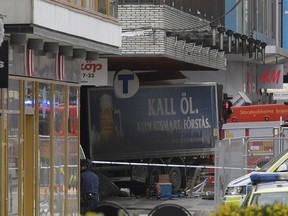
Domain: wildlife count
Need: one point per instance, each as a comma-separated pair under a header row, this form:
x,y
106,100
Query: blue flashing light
x,y
268,177
28,102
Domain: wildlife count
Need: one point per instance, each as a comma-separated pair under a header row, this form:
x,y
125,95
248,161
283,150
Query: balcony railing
x,y
206,9
105,7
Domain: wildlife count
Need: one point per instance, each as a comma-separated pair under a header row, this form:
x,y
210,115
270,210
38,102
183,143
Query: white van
x,y
237,190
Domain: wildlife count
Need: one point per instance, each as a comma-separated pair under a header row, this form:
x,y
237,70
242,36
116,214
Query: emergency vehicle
x,y
237,190
255,120
263,121
267,189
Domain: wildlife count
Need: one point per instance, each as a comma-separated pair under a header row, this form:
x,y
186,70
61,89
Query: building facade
x,y
152,39
262,22
42,53
171,36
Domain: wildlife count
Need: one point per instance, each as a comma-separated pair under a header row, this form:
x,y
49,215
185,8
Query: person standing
x,y
89,187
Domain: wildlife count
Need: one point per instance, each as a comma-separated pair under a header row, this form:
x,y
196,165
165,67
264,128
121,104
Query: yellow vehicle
x,y
237,190
268,188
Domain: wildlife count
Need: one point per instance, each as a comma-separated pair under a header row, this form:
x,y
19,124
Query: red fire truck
x,y
263,120
259,113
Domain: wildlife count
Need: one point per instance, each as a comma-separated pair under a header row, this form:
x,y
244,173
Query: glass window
x,y
13,120
72,67
77,2
59,147
44,147
44,109
272,162
102,6
73,148
29,95
114,8
269,198
45,65
17,60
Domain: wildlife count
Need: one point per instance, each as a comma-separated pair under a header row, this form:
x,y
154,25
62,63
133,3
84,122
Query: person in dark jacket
x,y
89,187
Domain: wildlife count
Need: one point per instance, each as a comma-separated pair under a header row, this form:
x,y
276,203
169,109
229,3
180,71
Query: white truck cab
x,y
237,190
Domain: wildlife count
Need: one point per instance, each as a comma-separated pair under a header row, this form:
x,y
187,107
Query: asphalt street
x,y
141,206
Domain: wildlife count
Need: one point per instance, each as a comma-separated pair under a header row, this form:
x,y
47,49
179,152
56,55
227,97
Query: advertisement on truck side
x,y
157,120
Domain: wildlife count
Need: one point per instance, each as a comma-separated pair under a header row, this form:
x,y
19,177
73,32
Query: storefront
x,y
39,133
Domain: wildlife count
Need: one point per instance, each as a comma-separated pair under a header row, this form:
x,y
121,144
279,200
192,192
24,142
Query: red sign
x,y
270,76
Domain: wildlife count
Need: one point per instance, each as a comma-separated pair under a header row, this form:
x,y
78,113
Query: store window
x,y
72,67
45,64
73,148
63,141
44,146
55,154
59,147
13,122
16,60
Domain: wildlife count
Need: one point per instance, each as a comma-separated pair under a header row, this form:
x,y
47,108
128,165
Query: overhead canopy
x,y
276,54
141,63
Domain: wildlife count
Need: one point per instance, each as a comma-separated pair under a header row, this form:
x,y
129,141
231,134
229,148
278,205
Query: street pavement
x,y
141,206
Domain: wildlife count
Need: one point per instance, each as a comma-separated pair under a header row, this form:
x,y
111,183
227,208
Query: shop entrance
x,y
39,149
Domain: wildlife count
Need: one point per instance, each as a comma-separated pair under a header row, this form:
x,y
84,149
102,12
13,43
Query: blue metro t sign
x,y
126,84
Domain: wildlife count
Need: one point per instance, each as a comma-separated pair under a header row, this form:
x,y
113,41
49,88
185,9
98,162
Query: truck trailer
x,y
167,128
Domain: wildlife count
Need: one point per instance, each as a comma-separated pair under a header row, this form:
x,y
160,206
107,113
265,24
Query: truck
x,y
260,132
161,130
262,120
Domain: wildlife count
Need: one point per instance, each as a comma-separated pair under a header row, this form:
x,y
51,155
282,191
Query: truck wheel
x,y
175,179
153,174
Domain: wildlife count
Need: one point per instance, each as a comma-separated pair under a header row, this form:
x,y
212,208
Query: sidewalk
x,y
142,206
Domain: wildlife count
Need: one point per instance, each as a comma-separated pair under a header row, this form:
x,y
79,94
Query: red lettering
x,y
275,76
269,76
91,67
265,76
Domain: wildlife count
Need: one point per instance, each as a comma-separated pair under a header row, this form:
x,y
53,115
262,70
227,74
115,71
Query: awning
x,y
275,54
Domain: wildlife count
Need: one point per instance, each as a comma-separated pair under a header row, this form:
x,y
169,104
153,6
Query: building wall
x,y
142,18
150,24
285,24
63,19
239,76
254,17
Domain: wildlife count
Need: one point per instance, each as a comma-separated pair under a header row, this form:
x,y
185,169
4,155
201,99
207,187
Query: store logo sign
x,y
270,76
94,72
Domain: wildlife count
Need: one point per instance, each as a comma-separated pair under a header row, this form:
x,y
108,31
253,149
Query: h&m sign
x,y
4,65
270,76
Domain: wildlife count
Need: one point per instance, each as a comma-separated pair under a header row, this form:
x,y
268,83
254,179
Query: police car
x,y
237,190
267,189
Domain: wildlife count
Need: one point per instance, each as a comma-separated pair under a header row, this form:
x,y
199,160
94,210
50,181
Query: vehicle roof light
x,y
268,177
